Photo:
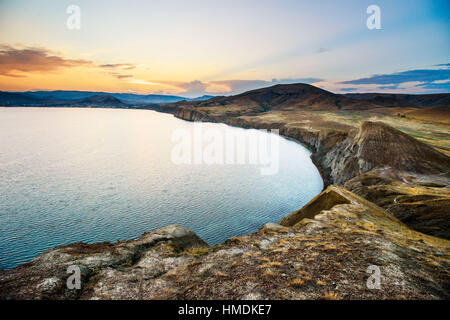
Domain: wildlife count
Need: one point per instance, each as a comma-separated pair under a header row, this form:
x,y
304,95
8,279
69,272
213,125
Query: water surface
x,y
91,175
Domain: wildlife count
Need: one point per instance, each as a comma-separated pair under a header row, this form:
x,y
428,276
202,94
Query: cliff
x,y
384,165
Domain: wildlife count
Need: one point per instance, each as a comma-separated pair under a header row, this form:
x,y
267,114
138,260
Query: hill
x,y
282,97
11,99
436,114
403,100
377,145
98,100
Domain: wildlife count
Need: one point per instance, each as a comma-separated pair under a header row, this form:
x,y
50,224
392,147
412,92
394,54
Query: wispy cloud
x,y
421,75
321,50
121,76
16,62
122,66
435,79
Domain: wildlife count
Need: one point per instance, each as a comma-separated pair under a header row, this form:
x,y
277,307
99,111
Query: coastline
x,y
328,242
159,111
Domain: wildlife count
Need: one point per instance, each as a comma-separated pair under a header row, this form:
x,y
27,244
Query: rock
x,y
49,285
274,227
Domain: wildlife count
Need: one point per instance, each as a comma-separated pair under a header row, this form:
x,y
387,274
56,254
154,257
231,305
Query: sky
x,y
192,48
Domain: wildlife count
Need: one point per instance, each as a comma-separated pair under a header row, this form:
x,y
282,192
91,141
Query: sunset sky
x,y
192,48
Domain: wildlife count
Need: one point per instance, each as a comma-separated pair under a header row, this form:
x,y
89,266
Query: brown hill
x,y
283,97
437,114
403,100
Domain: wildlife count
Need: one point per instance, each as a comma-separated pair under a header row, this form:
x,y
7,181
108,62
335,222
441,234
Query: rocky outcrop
x,y
327,252
190,114
377,145
45,277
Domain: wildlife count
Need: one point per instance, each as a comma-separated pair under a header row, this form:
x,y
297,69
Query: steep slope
x,y
377,145
397,172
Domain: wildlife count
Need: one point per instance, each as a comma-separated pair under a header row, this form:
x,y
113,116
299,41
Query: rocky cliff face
x,y
377,145
401,174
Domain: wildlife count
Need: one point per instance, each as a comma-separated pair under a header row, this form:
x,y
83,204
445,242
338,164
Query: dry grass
x,y
270,264
220,274
299,282
269,272
328,295
196,252
320,283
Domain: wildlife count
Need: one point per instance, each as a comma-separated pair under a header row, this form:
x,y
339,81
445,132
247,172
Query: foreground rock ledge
x,y
320,252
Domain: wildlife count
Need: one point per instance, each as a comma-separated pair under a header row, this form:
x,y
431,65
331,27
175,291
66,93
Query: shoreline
x,y
324,246
324,185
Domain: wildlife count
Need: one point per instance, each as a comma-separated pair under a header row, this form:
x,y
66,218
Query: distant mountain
x,y
278,97
403,100
10,98
129,98
202,98
99,101
23,99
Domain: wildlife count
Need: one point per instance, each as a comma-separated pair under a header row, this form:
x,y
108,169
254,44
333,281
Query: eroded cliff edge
x,y
399,173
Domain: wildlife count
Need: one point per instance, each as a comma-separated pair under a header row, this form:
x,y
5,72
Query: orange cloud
x,y
14,62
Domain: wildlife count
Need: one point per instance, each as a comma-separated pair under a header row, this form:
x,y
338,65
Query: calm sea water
x,y
91,175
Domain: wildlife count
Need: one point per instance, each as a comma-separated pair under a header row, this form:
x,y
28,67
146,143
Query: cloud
x,y
421,75
436,86
14,62
393,87
321,50
121,76
442,65
348,89
431,80
140,81
195,87
122,66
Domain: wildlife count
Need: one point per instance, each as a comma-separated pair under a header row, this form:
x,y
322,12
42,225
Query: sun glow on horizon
x,y
192,49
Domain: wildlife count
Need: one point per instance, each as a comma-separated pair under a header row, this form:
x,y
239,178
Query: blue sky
x,y
224,47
